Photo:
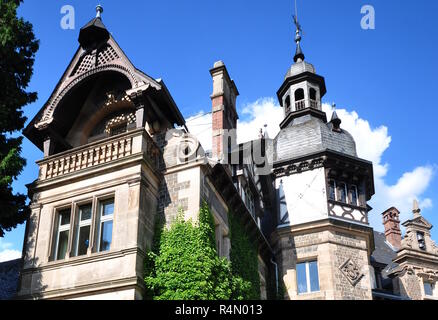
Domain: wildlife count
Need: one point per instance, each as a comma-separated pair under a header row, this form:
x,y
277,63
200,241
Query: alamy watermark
x,y
368,21
68,18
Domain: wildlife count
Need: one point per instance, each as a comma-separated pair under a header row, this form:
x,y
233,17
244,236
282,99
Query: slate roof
x,y
9,273
384,253
308,135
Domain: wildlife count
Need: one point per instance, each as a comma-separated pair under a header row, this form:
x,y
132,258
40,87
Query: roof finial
x,y
335,120
99,11
299,55
416,209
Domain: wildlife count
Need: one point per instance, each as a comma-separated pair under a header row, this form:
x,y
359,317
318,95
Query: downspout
x,y
276,274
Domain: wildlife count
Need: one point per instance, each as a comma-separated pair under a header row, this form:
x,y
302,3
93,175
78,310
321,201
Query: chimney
x,y
391,222
224,114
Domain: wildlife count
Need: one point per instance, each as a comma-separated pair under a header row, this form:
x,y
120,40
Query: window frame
x,y
58,229
78,224
308,276
339,188
432,288
335,193
353,188
100,222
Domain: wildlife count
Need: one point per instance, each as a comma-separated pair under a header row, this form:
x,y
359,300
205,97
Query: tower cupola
x,y
302,89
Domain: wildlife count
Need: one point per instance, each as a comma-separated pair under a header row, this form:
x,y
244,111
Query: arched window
x,y
300,104
287,102
299,94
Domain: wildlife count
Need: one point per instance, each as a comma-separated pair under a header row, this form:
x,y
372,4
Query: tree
x,y
17,55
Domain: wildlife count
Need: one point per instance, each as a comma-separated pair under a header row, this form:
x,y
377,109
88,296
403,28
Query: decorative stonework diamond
x,y
351,272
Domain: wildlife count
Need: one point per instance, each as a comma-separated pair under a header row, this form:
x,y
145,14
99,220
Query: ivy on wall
x,y
244,260
184,264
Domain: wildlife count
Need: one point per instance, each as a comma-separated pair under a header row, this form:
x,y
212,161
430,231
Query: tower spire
x,y
299,55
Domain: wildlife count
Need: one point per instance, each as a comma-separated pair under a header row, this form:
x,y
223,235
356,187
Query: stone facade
x,y
335,249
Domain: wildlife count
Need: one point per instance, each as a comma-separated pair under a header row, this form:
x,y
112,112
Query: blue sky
x,y
385,76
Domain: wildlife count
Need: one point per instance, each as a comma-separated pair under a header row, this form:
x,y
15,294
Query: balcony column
x,y
49,146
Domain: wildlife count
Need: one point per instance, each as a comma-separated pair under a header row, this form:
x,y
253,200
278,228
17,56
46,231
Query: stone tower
x,y
323,240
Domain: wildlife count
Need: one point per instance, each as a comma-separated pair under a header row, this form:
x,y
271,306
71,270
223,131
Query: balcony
x,y
100,153
303,104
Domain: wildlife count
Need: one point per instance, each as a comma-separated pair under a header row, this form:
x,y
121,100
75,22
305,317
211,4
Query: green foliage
x,y
186,265
17,53
244,261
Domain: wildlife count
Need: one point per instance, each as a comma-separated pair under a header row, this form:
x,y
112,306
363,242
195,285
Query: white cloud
x,y
6,254
371,143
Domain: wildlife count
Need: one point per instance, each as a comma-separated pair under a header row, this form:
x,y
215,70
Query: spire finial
x,y
335,120
299,55
99,11
416,209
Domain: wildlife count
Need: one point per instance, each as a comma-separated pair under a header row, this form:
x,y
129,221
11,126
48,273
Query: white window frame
x,y
309,289
102,219
81,224
61,228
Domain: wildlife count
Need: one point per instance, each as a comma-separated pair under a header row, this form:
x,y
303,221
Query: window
x,y
312,94
429,289
332,190
83,230
342,192
105,225
421,240
118,129
300,104
76,241
354,196
299,95
62,234
307,277
287,104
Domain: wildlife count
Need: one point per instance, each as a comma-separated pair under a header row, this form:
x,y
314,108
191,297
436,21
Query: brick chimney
x,y
224,114
391,222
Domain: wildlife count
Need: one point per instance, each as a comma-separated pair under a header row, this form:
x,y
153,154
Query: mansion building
x,y
117,154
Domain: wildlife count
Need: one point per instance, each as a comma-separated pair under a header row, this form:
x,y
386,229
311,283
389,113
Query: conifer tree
x,y
17,55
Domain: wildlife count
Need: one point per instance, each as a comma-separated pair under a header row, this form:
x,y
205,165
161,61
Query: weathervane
x,y
299,55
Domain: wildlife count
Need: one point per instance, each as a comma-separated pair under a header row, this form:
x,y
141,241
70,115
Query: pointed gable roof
x,y
98,53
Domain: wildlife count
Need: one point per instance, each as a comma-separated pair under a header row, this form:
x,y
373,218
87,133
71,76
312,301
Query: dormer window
x,y
421,240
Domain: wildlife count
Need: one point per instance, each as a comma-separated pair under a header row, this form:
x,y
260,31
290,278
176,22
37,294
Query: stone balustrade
x,y
98,153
